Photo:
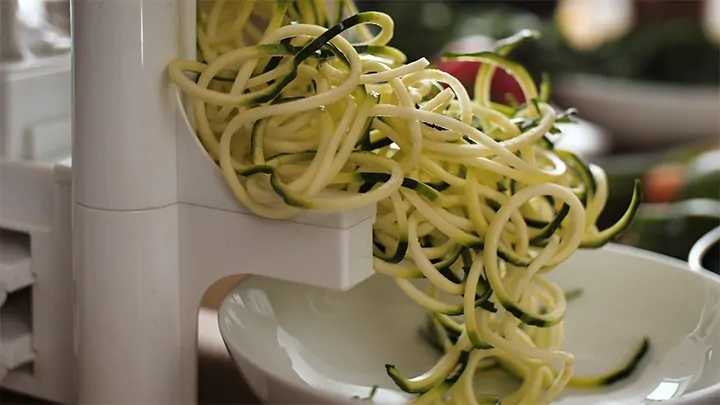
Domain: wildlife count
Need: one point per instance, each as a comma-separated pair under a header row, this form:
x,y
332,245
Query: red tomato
x,y
463,71
502,82
663,183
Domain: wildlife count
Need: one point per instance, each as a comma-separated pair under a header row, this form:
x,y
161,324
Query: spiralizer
x,y
153,222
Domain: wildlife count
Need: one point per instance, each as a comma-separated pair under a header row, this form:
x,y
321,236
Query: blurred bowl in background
x,y
643,114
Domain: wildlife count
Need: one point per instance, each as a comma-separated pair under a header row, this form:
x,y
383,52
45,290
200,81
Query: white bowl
x,y
303,345
643,114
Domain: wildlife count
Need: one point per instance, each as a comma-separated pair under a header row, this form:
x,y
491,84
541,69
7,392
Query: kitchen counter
x,y
219,381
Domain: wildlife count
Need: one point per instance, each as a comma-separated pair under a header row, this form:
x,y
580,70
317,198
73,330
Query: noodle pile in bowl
x,y
471,195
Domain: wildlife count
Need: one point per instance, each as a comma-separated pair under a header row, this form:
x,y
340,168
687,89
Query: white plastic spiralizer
x,y
153,222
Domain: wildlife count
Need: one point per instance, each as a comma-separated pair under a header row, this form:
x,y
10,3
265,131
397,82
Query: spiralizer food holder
x,y
153,222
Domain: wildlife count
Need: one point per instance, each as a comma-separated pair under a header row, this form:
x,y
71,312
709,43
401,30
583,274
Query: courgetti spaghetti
x,y
471,195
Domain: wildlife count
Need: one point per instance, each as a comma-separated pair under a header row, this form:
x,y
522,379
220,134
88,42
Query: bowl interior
x,y
336,344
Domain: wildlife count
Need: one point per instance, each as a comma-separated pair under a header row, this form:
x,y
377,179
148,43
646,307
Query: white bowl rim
x,y
685,399
594,80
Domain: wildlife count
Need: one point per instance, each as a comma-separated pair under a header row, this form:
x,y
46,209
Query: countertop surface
x,y
219,382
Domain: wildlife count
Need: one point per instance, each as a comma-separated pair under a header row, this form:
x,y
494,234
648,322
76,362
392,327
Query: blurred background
x,y
644,75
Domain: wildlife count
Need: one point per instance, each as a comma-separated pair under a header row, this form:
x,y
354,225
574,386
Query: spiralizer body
x,y
154,224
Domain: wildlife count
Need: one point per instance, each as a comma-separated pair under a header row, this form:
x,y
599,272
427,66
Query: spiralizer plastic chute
x,y
153,223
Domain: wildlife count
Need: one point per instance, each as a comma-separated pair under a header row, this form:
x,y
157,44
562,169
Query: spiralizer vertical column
x,y
125,216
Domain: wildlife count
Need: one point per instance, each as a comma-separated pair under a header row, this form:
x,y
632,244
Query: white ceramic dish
x,y
303,345
643,114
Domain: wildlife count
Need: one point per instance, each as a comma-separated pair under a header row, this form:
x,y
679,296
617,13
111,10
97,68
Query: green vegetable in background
x,y
673,51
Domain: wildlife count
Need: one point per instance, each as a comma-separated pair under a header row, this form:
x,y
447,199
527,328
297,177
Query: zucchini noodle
x,y
474,204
